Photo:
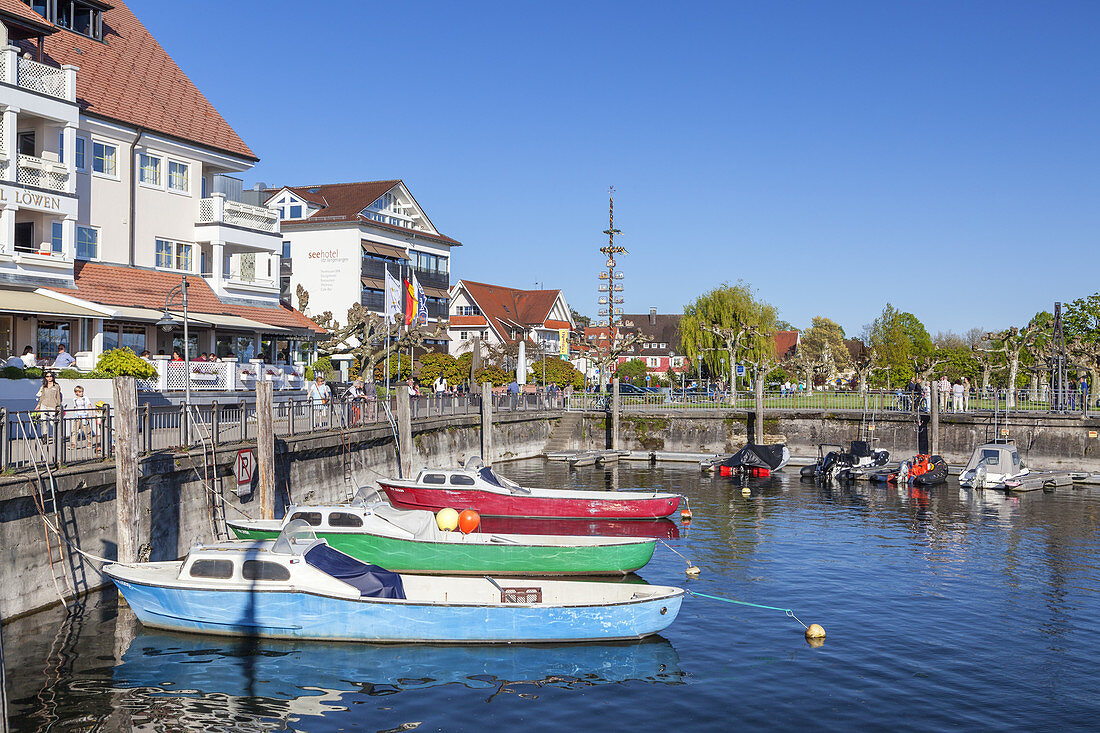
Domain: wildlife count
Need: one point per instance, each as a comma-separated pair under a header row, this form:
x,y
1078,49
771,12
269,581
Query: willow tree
x,y
724,320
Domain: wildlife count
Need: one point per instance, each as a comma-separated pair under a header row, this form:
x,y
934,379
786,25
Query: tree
x,y
899,339
493,374
719,320
824,344
582,321
558,371
433,366
632,372
1011,343
369,338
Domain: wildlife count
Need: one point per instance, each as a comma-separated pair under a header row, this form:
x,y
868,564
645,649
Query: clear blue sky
x,y
835,155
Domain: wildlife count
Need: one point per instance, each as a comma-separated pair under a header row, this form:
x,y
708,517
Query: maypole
x,y
610,282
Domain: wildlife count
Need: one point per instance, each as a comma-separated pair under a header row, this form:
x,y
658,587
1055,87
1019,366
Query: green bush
x,y
494,374
122,363
322,366
33,373
11,372
69,374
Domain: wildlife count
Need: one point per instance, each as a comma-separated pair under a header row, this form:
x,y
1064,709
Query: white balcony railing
x,y
218,210
42,173
38,77
226,375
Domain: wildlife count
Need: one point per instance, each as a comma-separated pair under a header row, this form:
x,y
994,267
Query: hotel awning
x,y
384,250
33,303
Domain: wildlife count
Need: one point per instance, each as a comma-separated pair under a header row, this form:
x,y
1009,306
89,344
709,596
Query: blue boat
x,y
297,587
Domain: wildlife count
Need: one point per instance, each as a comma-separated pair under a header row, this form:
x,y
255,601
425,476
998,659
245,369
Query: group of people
x,y
29,359
954,397
81,417
789,387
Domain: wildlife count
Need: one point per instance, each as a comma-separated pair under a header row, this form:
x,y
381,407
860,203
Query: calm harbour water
x,y
945,609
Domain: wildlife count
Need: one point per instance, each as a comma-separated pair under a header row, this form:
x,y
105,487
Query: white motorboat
x,y
994,465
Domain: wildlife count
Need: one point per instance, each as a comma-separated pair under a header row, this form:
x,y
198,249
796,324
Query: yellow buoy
x,y
692,570
814,631
745,491
815,643
447,519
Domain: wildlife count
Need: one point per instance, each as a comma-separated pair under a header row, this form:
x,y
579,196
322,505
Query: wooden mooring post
x,y
125,424
404,431
759,417
265,447
487,423
616,405
3,682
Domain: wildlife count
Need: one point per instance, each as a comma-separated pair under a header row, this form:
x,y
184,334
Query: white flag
x,y
393,297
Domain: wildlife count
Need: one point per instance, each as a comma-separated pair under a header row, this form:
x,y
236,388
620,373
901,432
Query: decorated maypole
x,y
610,286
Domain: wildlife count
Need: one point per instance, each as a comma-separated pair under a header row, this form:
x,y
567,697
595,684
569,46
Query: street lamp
x,y
167,322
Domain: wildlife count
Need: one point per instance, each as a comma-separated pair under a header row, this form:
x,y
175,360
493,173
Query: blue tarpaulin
x,y
371,580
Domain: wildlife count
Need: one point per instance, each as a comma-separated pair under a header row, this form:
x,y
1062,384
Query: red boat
x,y
480,489
661,529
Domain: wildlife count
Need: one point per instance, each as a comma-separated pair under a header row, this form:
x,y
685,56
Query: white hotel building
x,y
116,182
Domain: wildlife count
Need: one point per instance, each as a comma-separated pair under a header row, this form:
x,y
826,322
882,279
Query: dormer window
x,y
288,207
78,16
390,209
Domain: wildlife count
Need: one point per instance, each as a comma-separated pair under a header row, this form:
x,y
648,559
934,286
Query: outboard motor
x,y
980,476
903,473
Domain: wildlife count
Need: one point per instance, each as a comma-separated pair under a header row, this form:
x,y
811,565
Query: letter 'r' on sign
x,y
244,467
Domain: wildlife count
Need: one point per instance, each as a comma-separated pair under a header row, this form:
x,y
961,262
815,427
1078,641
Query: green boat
x,y
411,542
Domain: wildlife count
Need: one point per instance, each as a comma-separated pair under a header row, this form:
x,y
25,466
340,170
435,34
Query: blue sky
x,y
938,155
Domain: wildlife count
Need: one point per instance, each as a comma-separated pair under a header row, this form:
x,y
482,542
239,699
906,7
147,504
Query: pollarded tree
x,y
824,343
1011,343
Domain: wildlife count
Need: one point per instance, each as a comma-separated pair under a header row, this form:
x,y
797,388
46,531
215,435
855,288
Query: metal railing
x,y
1022,400
68,437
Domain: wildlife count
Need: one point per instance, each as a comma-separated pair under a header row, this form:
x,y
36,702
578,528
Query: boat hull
x,y
409,496
303,615
469,558
661,529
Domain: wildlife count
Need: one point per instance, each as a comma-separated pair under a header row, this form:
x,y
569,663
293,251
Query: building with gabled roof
x,y
501,316
118,183
340,239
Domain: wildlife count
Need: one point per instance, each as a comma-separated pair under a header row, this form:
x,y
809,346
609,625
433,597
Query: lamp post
x,y
167,322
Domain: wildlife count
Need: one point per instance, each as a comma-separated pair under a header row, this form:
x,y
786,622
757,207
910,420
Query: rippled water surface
x,y
945,609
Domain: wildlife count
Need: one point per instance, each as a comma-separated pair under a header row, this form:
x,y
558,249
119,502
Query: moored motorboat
x,y
921,470
755,460
994,465
411,541
660,529
297,586
480,488
834,463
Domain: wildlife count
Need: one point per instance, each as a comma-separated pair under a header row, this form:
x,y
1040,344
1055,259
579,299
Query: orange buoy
x,y
685,514
468,521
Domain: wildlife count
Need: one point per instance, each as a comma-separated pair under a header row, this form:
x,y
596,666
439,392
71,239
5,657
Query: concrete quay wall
x,y
1044,441
176,508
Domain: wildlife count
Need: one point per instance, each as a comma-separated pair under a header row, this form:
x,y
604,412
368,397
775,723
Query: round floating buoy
x,y
685,515
447,519
745,491
814,631
468,521
692,570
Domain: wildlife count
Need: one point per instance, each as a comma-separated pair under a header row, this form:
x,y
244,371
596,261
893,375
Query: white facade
x,y
548,329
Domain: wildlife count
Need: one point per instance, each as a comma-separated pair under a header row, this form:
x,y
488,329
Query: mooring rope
x,y
787,611
671,548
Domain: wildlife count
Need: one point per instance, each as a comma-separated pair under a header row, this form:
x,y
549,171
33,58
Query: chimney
x,y
653,316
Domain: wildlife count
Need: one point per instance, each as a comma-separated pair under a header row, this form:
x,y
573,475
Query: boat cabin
x,y
330,517
998,458
482,476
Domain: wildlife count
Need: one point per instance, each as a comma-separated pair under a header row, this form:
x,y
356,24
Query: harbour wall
x,y
175,508
1044,441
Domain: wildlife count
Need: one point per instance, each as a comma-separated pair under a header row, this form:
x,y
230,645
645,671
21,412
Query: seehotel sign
x,y
36,200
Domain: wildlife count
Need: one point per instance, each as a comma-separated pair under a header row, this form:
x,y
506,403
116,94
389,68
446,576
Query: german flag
x,y
410,303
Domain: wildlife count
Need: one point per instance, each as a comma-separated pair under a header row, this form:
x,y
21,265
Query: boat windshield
x,y
296,536
493,479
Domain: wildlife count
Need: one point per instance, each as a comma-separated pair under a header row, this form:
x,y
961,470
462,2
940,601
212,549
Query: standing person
x,y
319,396
957,396
355,398
966,394
64,359
83,410
1084,383
945,392
371,395
49,401
29,359
926,393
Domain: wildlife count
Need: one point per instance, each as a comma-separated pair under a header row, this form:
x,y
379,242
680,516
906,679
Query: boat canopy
x,y
370,580
757,456
996,457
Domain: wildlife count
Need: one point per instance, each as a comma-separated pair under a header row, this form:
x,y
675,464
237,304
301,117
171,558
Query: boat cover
x,y
756,456
420,523
997,458
371,580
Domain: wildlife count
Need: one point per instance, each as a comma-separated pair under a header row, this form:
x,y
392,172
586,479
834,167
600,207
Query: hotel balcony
x,y
223,220
24,73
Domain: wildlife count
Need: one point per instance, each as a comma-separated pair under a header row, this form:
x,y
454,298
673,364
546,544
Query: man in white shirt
x,y
64,359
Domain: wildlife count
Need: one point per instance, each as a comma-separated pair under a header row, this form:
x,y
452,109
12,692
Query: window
x,y
24,237
87,243
264,570
313,518
457,479
436,264
435,478
179,176
50,335
56,237
148,170
61,147
286,250
81,163
212,569
130,337
343,519
24,143
469,310
295,212
104,159
174,255
463,336
75,15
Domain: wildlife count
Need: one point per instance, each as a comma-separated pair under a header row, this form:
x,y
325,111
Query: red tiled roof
x,y
786,343
127,286
131,78
467,320
504,306
553,323
344,201
20,10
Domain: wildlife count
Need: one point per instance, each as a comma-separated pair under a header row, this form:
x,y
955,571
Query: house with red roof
x,y
340,240
117,185
502,316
